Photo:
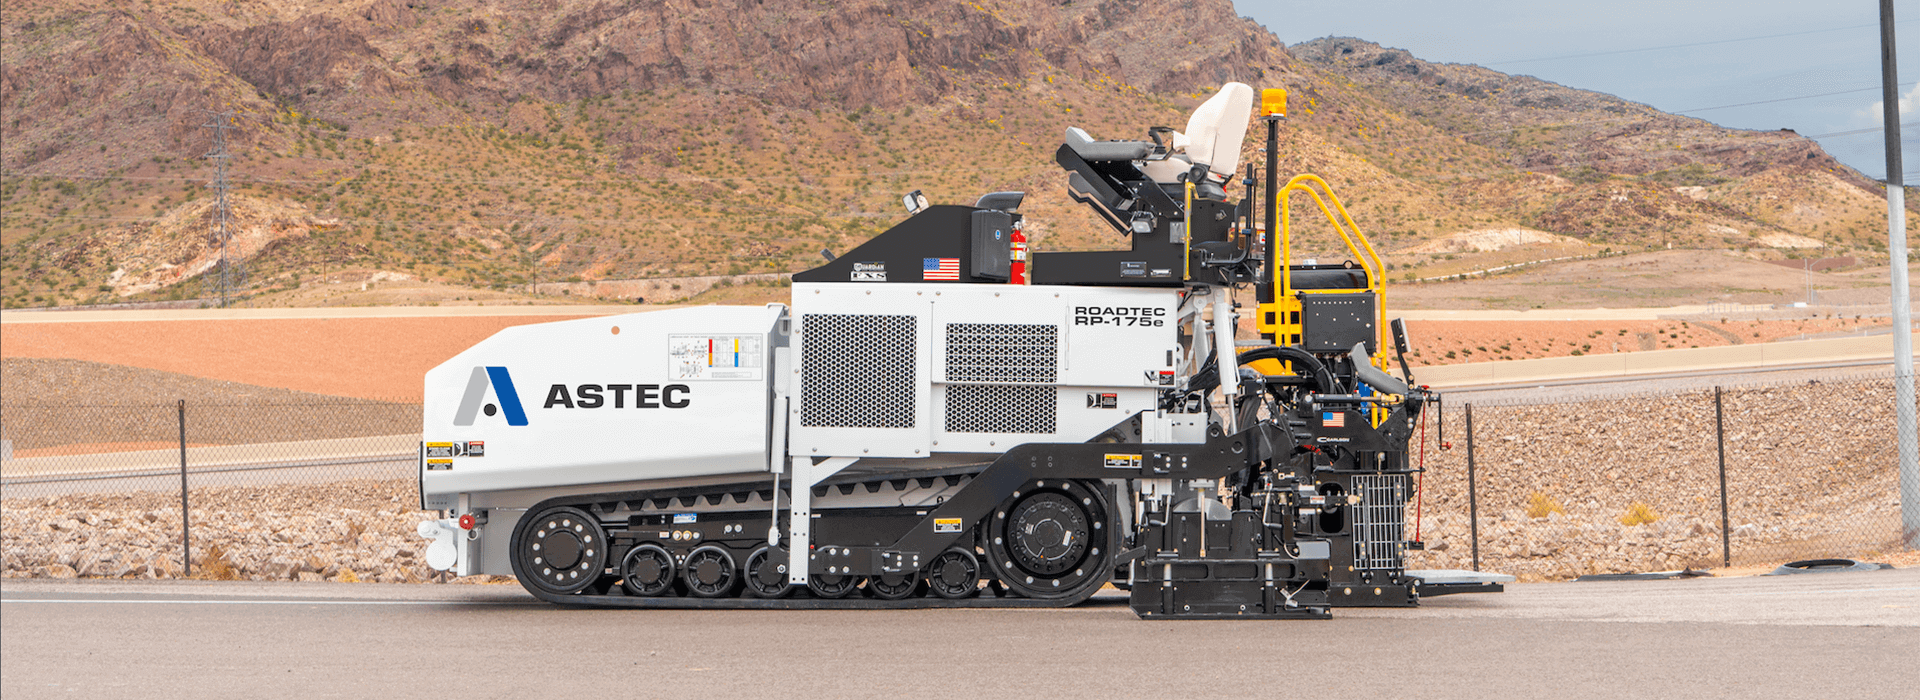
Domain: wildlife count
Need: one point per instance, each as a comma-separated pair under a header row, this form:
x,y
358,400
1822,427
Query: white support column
x,y
806,474
1224,329
467,566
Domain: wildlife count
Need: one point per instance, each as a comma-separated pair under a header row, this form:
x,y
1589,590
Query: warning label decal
x,y
1123,461
946,524
737,357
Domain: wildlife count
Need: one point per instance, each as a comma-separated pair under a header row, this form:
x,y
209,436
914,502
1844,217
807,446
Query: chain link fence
x,y
307,491
1564,483
1543,485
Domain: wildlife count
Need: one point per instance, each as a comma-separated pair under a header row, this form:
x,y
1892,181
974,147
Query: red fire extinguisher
x,y
1017,270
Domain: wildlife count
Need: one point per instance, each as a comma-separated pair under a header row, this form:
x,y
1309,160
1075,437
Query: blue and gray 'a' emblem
x,y
502,391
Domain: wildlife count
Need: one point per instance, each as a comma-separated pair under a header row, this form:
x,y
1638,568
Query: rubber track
x,y
800,602
797,600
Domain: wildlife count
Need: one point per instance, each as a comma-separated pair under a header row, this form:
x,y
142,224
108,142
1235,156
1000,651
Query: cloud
x,y
1906,105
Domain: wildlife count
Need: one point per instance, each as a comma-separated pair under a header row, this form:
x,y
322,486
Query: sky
x,y
1676,56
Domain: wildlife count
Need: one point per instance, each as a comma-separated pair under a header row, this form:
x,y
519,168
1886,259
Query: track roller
x,y
893,586
831,585
648,570
955,574
709,572
766,577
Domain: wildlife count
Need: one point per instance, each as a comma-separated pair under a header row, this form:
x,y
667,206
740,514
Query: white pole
x,y
1902,311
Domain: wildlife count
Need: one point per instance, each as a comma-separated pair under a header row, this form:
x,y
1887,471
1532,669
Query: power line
x,y
1691,45
1783,99
1874,130
1615,120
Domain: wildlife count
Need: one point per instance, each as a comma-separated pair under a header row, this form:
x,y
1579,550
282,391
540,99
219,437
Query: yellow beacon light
x,y
1273,102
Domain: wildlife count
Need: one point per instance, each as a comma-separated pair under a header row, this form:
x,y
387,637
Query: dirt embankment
x,y
57,407
367,358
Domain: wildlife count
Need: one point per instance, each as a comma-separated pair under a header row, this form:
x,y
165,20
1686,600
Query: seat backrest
x,y
1217,128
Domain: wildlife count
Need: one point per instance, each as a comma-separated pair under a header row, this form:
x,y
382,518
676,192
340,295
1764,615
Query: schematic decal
x,y
946,525
685,518
869,272
440,449
1123,461
439,465
738,357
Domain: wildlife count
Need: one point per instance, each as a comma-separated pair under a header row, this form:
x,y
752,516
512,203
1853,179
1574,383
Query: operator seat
x,y
1214,133
1213,137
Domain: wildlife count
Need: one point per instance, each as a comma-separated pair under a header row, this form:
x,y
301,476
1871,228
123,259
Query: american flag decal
x,y
1333,419
932,269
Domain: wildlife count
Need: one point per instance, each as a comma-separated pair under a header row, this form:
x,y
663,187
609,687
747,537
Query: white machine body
x,y
716,393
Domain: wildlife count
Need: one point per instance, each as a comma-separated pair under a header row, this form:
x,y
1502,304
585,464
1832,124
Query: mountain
x,y
496,144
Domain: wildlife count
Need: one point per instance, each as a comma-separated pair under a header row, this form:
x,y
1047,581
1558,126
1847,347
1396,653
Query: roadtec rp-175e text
x,y
942,419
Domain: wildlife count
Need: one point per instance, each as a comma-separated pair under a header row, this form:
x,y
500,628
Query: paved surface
x,y
1851,635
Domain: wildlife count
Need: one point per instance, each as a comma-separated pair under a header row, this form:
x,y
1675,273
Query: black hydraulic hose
x,y
1300,359
1209,375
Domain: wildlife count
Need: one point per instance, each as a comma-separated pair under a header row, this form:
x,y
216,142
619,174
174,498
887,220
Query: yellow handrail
x,y
1186,238
1369,260
1343,224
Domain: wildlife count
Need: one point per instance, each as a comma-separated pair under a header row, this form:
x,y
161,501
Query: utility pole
x,y
220,282
1902,311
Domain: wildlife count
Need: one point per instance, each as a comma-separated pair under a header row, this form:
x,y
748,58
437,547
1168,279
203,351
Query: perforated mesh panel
x,y
1003,352
1000,408
857,371
1379,523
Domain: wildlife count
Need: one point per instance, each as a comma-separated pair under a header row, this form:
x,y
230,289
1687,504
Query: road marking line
x,y
1824,591
263,602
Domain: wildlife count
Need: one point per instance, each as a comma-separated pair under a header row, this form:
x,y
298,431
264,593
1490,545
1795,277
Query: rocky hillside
x,y
490,144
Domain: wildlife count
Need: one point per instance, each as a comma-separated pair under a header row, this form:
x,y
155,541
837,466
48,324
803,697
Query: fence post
x,y
186,530
1473,493
1720,436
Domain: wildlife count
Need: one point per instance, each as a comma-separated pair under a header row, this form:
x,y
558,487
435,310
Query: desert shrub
x,y
213,564
1639,514
1540,505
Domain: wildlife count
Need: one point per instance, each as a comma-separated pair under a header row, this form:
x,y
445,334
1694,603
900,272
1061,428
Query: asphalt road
x,y
1842,635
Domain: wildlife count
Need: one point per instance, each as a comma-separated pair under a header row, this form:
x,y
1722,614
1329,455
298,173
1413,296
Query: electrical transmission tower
x,y
226,276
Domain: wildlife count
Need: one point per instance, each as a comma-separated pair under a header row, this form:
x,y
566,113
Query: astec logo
x,y
502,391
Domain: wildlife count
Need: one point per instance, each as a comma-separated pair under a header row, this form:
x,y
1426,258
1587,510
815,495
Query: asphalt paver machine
x,y
942,419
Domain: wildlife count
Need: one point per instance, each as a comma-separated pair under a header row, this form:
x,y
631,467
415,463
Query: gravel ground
x,y
1810,473
345,531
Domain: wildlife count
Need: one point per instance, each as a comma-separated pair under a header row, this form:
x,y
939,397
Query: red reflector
x,y
466,522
